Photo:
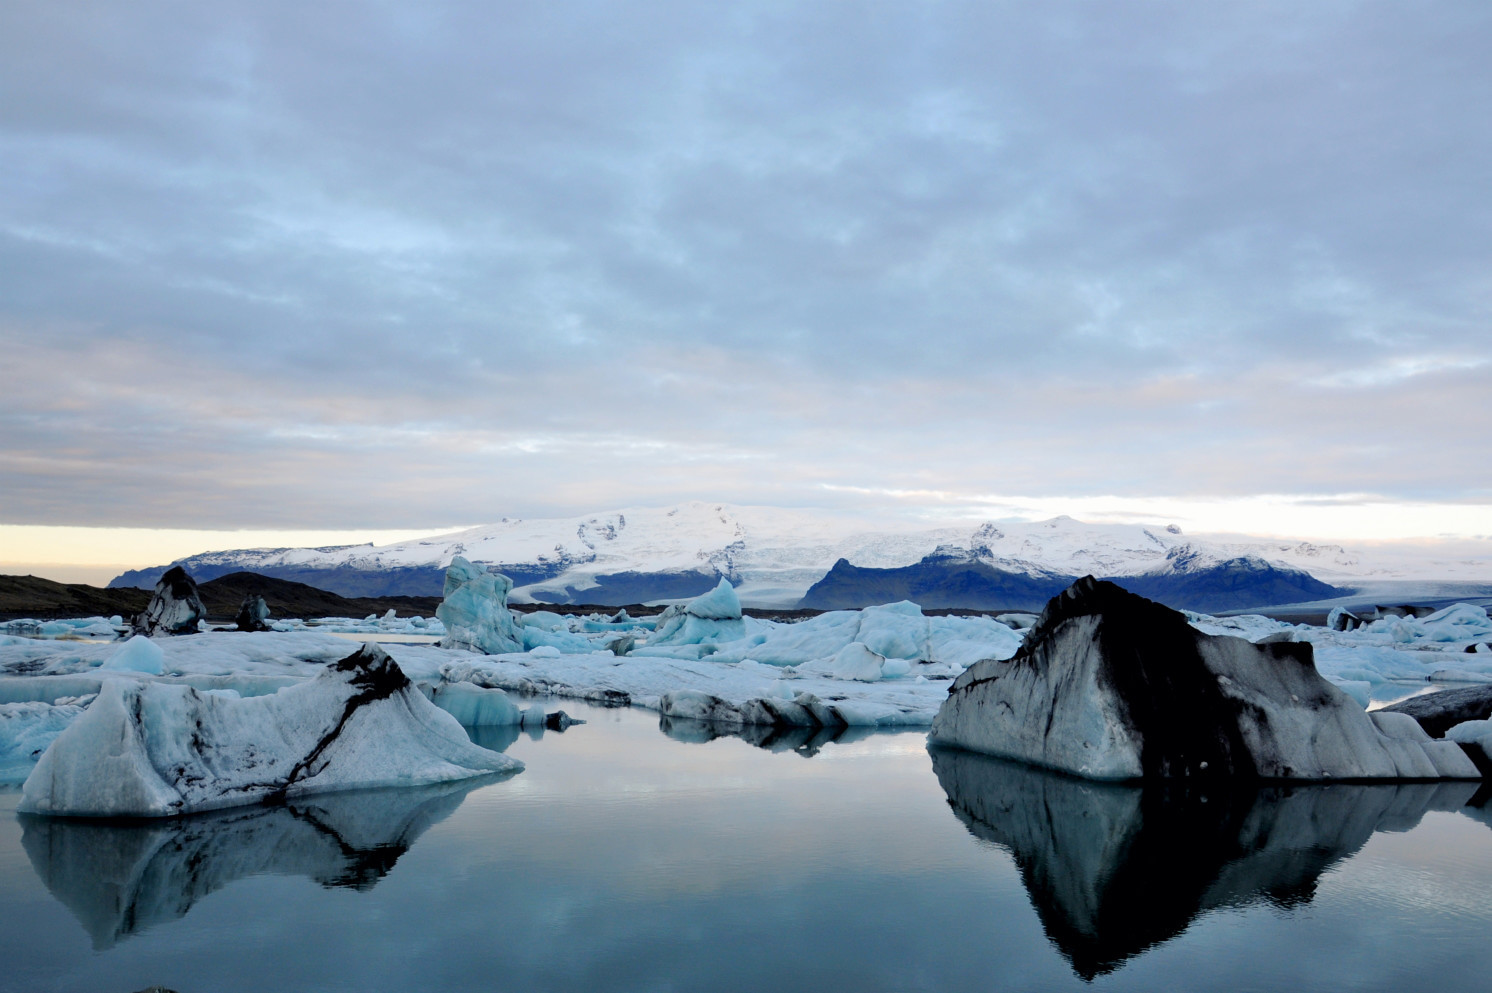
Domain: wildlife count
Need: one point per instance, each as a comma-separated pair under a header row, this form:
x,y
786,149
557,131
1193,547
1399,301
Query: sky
x,y
367,268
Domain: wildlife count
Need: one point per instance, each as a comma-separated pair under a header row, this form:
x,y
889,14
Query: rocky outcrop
x,y
1109,685
253,614
174,608
156,749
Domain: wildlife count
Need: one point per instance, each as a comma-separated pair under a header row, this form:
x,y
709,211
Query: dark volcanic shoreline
x,y
45,599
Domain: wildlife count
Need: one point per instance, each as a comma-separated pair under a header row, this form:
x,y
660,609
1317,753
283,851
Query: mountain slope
x,y
1188,580
772,556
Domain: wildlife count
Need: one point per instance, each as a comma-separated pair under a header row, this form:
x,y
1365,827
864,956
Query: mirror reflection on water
x,y
626,858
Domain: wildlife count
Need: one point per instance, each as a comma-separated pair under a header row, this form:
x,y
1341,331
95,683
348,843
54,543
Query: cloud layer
x,y
393,265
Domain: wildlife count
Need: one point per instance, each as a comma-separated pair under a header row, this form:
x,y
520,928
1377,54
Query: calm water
x,y
627,859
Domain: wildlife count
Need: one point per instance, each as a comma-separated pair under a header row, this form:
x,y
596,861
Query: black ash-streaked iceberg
x,y
1109,685
175,606
158,749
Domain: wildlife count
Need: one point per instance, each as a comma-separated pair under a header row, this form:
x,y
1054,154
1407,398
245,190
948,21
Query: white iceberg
x,y
713,617
139,654
156,749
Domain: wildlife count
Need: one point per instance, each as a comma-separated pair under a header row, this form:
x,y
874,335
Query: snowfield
x,y
774,555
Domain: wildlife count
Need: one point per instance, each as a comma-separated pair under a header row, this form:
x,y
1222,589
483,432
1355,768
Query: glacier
x,y
773,556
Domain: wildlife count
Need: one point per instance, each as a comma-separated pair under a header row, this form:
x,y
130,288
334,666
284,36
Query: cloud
x,y
344,265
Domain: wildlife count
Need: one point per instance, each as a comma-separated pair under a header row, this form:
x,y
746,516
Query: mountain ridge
x,y
773,556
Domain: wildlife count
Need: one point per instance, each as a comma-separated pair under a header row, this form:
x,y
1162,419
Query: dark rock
x,y
1109,685
174,608
1438,712
560,721
253,614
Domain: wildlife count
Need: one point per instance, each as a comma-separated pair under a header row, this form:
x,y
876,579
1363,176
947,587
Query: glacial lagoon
x,y
634,856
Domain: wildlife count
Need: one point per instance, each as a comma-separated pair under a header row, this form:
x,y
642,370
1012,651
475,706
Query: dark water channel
x,y
628,859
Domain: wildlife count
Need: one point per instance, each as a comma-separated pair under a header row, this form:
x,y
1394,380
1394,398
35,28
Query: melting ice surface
x,y
625,858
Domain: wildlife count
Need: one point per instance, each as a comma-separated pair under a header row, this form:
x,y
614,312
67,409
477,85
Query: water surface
x,y
625,858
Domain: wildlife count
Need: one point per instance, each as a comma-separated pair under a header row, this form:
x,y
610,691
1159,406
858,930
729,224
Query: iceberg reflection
x,y
1114,869
120,877
805,741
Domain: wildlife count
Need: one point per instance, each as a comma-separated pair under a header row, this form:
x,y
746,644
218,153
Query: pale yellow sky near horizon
x,y
96,554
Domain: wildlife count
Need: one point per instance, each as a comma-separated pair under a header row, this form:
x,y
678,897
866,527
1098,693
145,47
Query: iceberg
x,y
27,729
475,610
710,618
174,608
476,706
139,654
157,749
1109,685
253,614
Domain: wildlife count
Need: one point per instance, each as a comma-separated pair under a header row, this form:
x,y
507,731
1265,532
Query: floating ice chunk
x,y
696,705
895,630
157,749
720,604
26,729
532,718
476,706
475,610
253,614
1359,690
1469,731
545,620
1459,676
139,654
855,661
542,642
714,617
175,607
548,652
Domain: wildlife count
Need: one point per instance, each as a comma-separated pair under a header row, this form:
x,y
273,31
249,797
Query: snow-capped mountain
x,y
772,555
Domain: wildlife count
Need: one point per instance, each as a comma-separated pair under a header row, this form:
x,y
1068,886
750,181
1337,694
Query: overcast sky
x,y
410,264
